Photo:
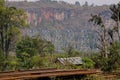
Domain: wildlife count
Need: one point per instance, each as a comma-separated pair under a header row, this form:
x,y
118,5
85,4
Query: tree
x,y
102,34
112,62
110,47
2,2
115,9
114,56
12,63
29,49
11,20
34,46
27,46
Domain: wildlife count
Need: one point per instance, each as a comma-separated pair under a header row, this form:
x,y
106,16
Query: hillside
x,y
63,24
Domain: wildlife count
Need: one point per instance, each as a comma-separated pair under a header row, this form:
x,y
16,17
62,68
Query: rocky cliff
x,y
61,23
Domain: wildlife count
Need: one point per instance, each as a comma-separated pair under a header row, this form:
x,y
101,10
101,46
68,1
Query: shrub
x,y
87,63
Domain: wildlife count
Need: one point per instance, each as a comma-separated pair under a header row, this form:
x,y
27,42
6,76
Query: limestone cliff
x,y
61,23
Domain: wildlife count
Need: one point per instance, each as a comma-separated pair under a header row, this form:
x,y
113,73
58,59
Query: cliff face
x,y
61,23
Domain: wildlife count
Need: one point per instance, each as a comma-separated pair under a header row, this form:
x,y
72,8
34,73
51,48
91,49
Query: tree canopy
x,y
11,20
109,46
29,50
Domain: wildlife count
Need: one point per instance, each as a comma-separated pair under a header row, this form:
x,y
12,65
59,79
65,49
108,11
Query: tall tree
x,y
11,20
102,32
110,50
115,9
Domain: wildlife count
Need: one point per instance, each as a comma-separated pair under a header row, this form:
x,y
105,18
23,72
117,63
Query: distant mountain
x,y
63,24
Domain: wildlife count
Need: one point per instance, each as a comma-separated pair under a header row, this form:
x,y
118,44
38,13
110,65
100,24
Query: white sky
x,y
98,2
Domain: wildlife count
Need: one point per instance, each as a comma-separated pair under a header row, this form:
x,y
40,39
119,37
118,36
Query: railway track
x,y
28,74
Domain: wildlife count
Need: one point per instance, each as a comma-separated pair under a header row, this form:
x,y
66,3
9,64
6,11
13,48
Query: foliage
x,y
34,46
109,46
2,61
29,51
96,57
71,52
115,9
112,62
87,63
102,34
11,20
93,77
115,52
37,61
12,63
27,46
37,53
25,61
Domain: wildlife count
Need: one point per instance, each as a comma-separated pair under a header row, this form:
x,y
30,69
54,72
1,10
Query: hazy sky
x,y
98,2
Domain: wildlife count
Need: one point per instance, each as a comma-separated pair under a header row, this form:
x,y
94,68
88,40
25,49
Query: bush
x,y
2,61
87,63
